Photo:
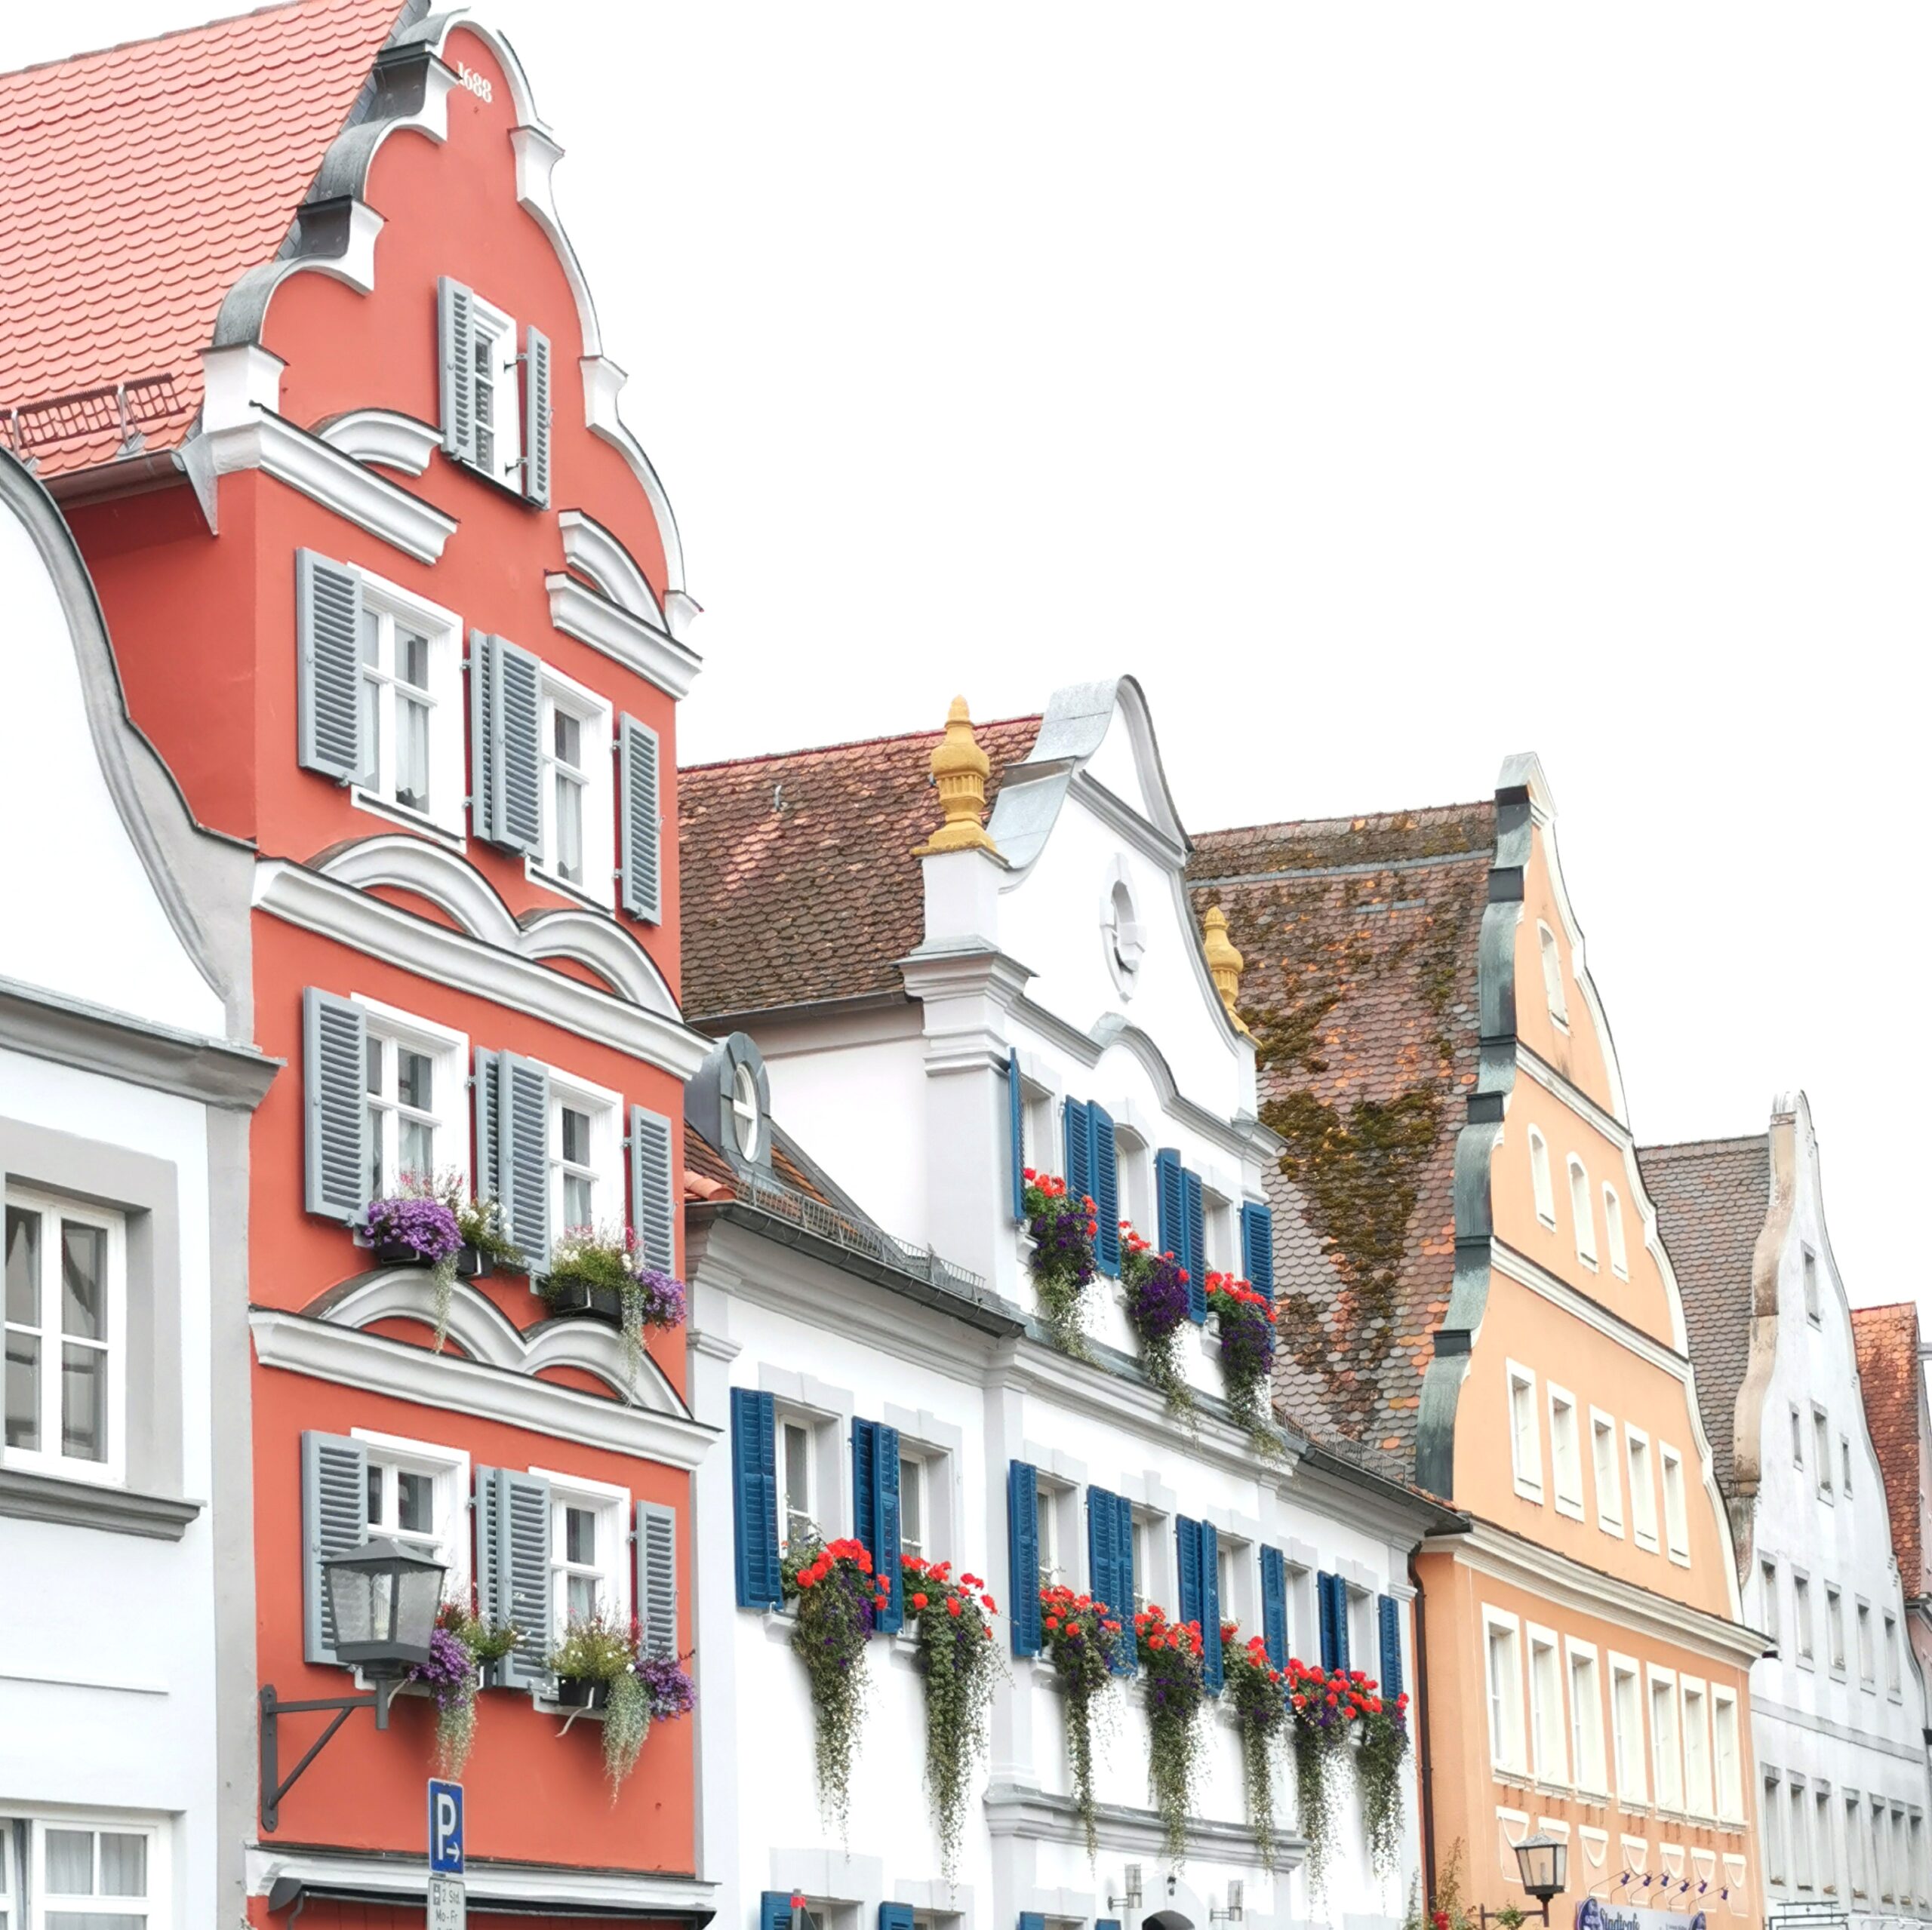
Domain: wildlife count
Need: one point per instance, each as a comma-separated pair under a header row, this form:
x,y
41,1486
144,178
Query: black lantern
x,y
384,1599
1544,1863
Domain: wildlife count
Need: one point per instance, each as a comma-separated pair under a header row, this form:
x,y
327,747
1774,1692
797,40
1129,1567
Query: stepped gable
x,y
1361,936
799,883
142,181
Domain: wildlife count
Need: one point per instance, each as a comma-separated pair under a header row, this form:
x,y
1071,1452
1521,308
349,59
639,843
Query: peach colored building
x,y
1473,1286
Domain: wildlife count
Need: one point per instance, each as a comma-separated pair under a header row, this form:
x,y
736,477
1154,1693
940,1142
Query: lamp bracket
x,y
274,1785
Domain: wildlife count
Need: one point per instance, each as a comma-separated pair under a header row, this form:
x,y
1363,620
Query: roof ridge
x,y
1894,1306
1343,818
1669,1147
855,744
153,39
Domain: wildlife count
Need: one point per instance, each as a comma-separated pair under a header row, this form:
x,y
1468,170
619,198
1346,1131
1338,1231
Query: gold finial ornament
x,y
959,768
1225,962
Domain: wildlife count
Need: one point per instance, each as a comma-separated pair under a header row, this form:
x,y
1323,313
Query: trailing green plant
x,y
1255,1692
952,1621
600,1648
479,1223
459,1645
1156,1291
1078,1635
1170,1654
1319,1713
1247,1324
838,1599
1062,1262
609,1261
1379,1760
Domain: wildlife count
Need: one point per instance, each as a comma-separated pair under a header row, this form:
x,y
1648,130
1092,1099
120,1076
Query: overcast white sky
x,y
1388,388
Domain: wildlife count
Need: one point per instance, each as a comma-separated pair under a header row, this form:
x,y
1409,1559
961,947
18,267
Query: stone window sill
x,y
85,1505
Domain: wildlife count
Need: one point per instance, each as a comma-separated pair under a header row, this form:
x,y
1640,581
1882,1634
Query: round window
x,y
744,1110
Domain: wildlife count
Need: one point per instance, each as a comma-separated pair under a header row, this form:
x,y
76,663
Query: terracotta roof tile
x,y
1712,1196
1888,1371
799,882
141,182
1361,937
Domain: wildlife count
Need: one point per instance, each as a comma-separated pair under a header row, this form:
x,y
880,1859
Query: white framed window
x,y
576,816
586,1152
1135,1163
1626,1729
1771,1817
1845,1464
1868,1660
1548,1740
1812,1311
1835,1628
1892,1681
1237,1570
86,1874
1856,1868
1552,977
1821,1823
411,697
1800,1615
1566,1453
1797,1436
1914,1823
1525,1438
1586,1749
1799,1809
1057,1540
914,1529
1882,1850
1612,1232
1676,1509
1821,1451
1729,1760
1363,1636
1666,1751
590,1570
1503,1662
416,1082
1768,1600
798,1457
1149,1543
1609,1472
66,1330
1699,1796
497,392
1304,1623
1580,1213
1643,1487
418,1495
1222,1248
1539,1182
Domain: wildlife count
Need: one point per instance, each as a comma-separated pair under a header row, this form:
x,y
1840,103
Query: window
x,y
418,1495
798,1479
912,1511
1587,1720
1505,1694
494,386
586,1155
1821,1458
1643,1488
1811,1310
411,696
1566,1453
1612,1232
66,1319
1768,1600
1797,1437
1800,1814
1868,1670
746,1120
1552,978
1666,1756
1835,1628
1136,1167
415,1076
1730,1764
1892,1684
1539,1184
1845,1464
1821,1837
1856,1865
1236,1562
1053,1572
1915,1852
590,1541
1698,1796
1525,1444
1881,1851
1580,1213
1801,1614
1772,1815
84,1878
1610,1479
1546,1725
1626,1729
1676,1513
575,807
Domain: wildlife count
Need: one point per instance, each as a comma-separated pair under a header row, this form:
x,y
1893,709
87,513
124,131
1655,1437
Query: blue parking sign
x,y
445,1828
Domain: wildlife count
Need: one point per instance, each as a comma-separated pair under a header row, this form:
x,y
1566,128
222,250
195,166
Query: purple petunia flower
x,y
427,1227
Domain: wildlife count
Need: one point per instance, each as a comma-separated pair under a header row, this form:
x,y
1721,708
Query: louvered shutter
x,y
1257,1248
1197,1235
1170,1196
1389,1617
1274,1607
1079,1150
1110,1567
1105,1190
328,645
1016,1128
875,1506
640,825
657,1579
335,1517
1032,1919
455,332
537,417
1106,1923
774,1910
1022,1548
1187,1550
895,1916
335,1148
754,1494
1325,1605
522,1165
1339,1588
654,1197
505,760
513,1569
489,1181
1211,1607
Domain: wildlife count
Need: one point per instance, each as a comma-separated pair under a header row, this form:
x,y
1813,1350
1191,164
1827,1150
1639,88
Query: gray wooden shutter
x,y
328,634
537,417
456,333
523,1164
654,1202
335,1148
335,1517
505,763
513,1568
489,1179
641,867
657,1579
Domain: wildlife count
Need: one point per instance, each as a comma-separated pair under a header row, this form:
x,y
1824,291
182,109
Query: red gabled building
x,y
298,342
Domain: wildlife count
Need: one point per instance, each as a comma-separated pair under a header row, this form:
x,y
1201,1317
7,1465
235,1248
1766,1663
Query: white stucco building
x,y
1838,1704
927,1024
126,1674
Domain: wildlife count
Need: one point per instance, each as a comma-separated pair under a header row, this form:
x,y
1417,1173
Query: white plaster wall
x,y
107,1649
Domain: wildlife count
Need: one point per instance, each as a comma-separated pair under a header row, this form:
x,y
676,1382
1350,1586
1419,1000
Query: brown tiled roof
x,y
798,880
1361,936
1712,1196
718,1179
1888,1370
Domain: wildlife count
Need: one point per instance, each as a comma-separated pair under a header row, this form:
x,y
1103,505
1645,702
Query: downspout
x,y
1425,1772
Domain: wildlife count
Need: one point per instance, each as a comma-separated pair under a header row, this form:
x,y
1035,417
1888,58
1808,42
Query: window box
x,y
580,1692
471,1263
577,1296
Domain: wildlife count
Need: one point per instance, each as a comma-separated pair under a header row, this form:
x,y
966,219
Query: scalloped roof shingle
x,y
1886,1338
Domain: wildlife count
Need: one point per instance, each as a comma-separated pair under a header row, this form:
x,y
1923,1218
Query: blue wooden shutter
x,y
335,1148
1103,1563
895,1916
1016,1128
1340,1587
774,1910
1022,1547
537,418
657,1579
456,330
754,1493
1104,1161
875,1505
1274,1607
1257,1247
335,1517
1032,1919
513,1569
1389,1616
1079,1150
653,1197
640,825
1187,1549
330,736
1211,1607
1197,1235
505,757
1325,1601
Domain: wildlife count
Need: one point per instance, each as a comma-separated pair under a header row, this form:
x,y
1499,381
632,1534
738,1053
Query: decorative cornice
x,y
1019,1809
382,435
27,1496
1520,1267
652,653
592,551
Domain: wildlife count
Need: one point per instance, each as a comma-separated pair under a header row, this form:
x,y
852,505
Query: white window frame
x,y
1554,998
1566,1465
31,1903
1219,1234
1588,1762
1700,1767
1821,1451
1060,1555
506,426
1508,1752
1676,1504
448,1470
1894,1683
1808,1268
816,1429
1800,1617
1642,1488
1857,1842
914,1461
1525,1456
1845,1464
1134,1161
1582,1213
1541,1186
1771,1814
449,1050
613,1504
1866,1642
374,790
1150,1540
1549,1732
1609,1506
1797,1796
1666,1752
1629,1754
1727,1764
1836,1657
596,719
1821,1807
605,1166
49,1457
1770,1602
1614,1242
1797,1436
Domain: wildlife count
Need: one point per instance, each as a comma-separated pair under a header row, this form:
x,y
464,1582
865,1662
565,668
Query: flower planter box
x,y
574,1296
397,1253
472,1265
574,1692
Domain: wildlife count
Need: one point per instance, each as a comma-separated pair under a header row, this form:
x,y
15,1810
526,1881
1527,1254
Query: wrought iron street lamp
x,y
1544,1863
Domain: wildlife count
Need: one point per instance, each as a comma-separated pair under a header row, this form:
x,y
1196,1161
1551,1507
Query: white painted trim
x,y
641,648
448,1467
556,1884
591,550
450,1048
1526,1272
382,435
325,905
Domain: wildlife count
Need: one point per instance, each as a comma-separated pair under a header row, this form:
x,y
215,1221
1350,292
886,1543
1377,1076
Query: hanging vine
x,y
1384,1748
1078,1636
839,1600
1170,1664
1254,1688
1155,1290
953,1620
1062,1262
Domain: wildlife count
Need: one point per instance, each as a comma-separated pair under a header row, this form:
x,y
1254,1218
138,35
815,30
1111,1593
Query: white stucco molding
x,y
396,441
1526,1272
828,1876
611,1890
1018,1810
642,647
592,551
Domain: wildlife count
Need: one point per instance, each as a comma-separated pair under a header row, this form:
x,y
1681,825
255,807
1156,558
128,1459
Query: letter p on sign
x,y
446,1829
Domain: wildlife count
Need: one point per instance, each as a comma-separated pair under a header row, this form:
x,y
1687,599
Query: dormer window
x,y
745,1109
1552,978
